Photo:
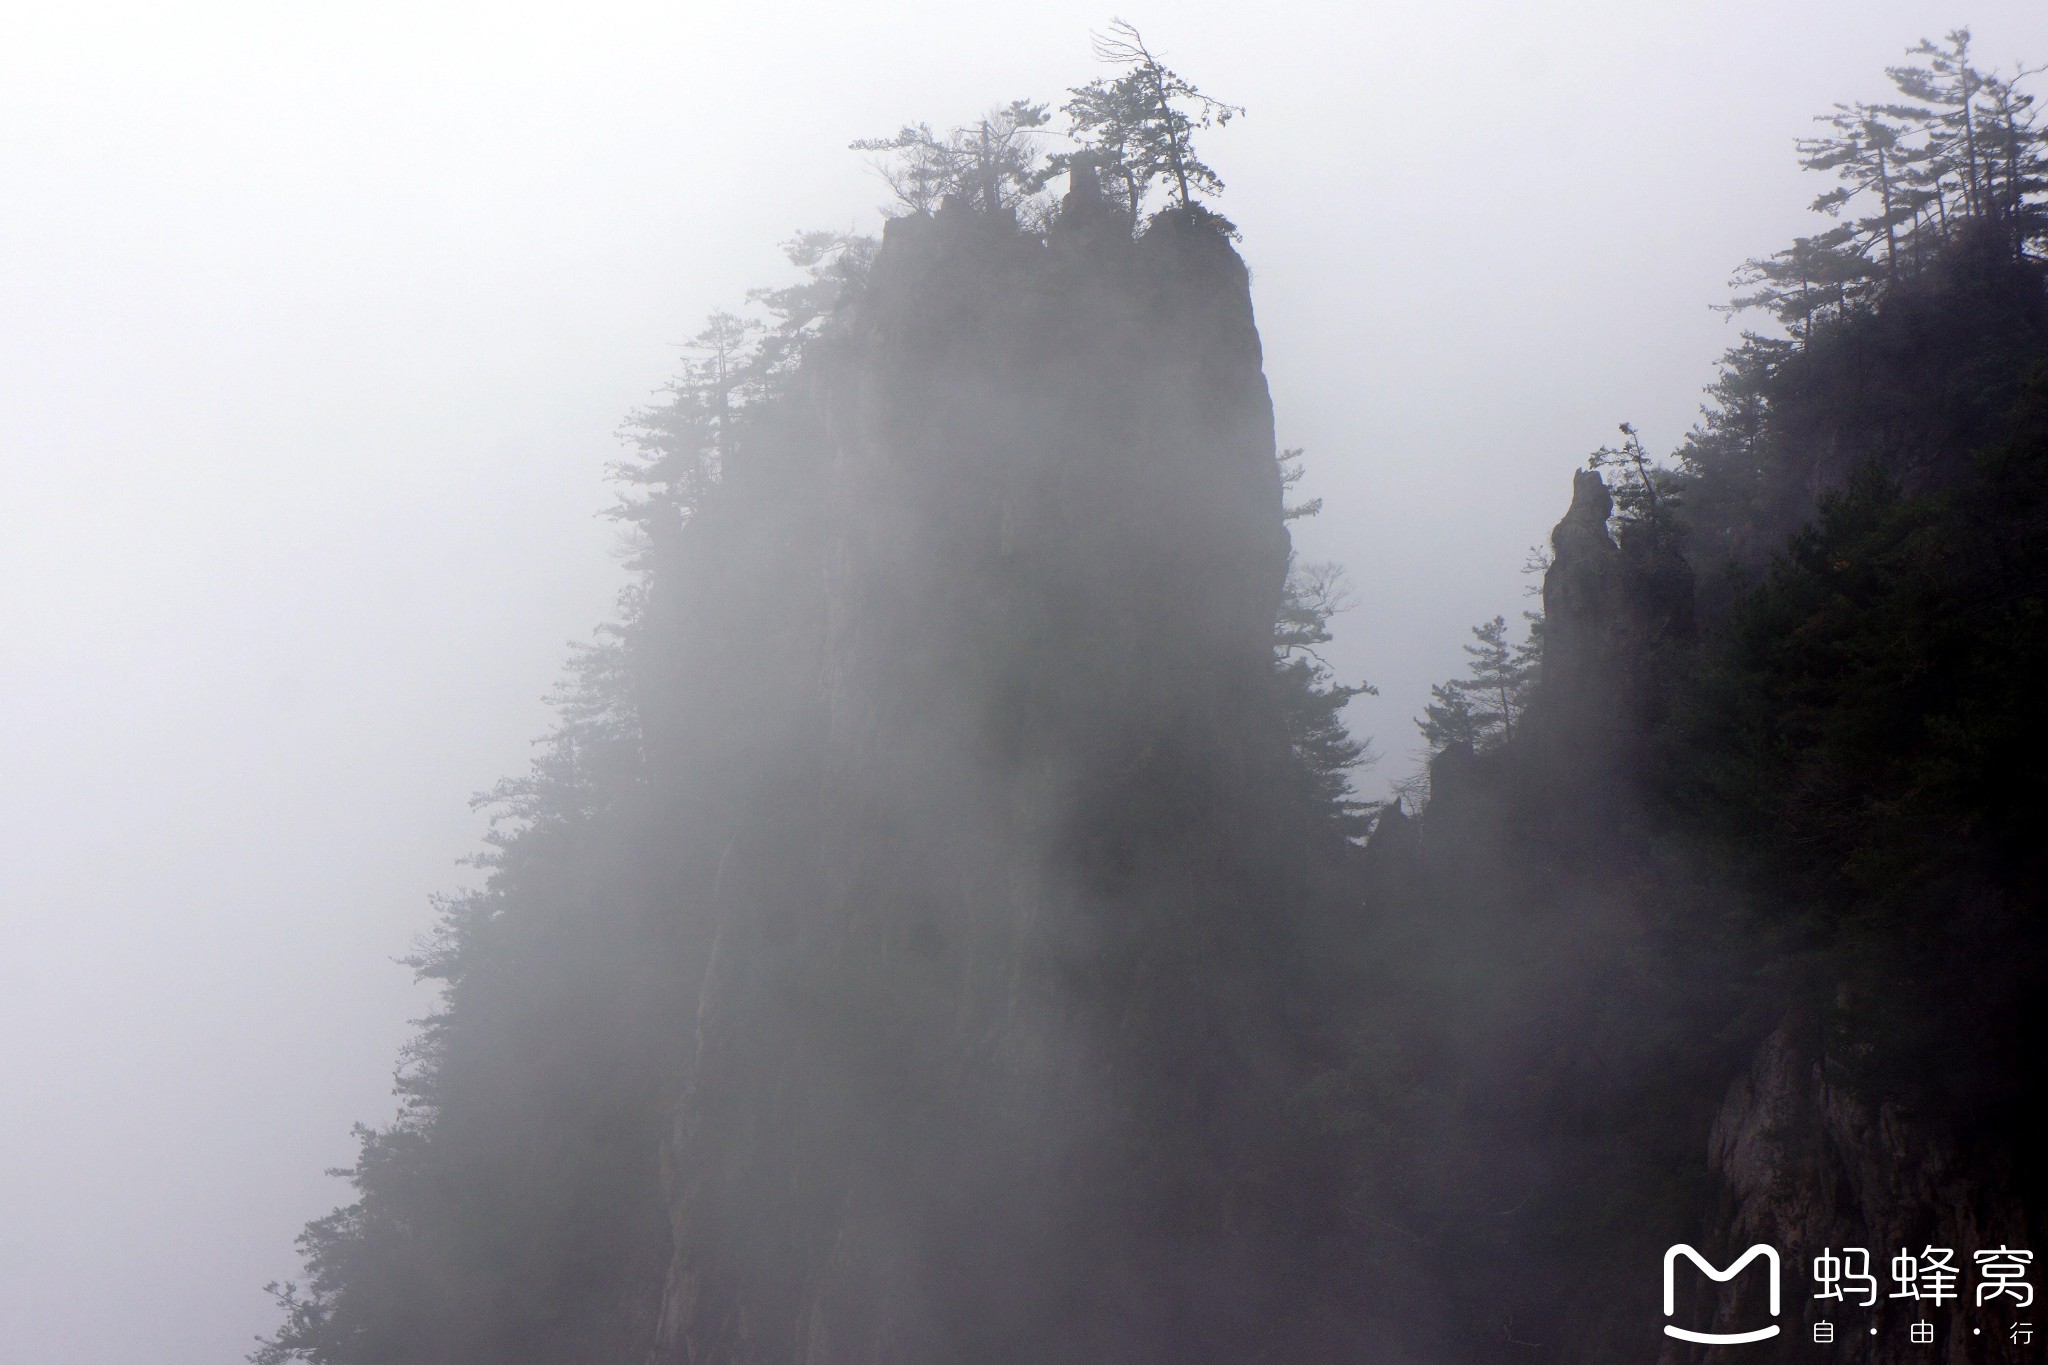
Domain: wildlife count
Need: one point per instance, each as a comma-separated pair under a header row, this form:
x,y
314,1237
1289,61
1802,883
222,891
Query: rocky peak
x,y
1614,614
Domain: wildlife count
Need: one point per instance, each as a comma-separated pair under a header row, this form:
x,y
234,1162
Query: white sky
x,y
318,321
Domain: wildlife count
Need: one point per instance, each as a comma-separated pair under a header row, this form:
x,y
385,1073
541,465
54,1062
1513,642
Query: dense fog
x,y
322,331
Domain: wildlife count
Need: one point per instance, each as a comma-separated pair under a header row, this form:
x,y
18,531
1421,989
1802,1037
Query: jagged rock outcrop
x,y
1801,1154
1582,594
1805,1163
1612,1074
1394,851
1613,616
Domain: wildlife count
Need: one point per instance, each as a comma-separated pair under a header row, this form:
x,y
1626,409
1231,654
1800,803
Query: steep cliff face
x,y
1916,387
1614,616
1718,895
910,945
1582,597
1870,680
1806,1164
1638,1056
1542,1026
991,1017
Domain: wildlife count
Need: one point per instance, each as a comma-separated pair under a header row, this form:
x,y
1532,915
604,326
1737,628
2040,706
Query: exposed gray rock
x,y
1805,1164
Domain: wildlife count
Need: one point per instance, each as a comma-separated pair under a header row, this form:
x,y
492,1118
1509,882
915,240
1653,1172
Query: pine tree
x,y
1483,708
1868,151
1960,146
2018,151
991,165
1815,278
1138,128
1947,86
1636,495
1312,699
1449,719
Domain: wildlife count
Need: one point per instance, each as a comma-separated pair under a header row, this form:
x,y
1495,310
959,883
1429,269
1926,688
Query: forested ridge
x,y
942,927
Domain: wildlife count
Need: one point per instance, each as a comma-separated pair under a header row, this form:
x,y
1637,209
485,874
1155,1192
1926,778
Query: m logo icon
x,y
1770,1255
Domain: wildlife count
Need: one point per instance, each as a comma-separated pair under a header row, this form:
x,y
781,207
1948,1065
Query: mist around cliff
x,y
994,887
945,925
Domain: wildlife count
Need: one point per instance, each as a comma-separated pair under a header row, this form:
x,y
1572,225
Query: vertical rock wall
x,y
941,995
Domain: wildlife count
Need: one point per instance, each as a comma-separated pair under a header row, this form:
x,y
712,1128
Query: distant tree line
x,y
1959,149
1956,162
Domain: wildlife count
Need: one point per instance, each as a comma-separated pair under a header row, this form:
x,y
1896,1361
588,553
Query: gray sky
x,y
318,324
